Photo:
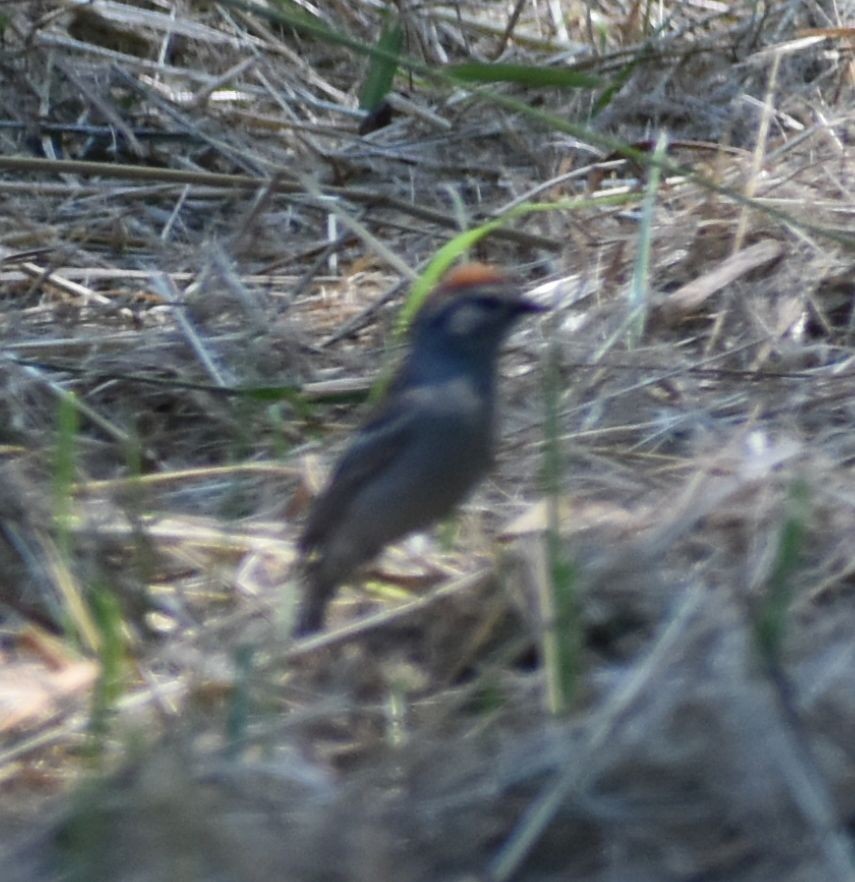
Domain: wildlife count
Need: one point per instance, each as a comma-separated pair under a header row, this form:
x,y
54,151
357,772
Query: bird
x,y
427,444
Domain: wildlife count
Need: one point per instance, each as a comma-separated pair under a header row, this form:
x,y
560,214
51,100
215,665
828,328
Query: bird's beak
x,y
526,305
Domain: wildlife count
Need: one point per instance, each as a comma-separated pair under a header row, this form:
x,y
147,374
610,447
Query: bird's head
x,y
470,313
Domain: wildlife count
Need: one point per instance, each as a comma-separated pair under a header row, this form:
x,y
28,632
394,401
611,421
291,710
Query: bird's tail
x,y
317,590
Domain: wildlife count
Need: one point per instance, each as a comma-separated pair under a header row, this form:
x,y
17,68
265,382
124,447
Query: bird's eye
x,y
487,303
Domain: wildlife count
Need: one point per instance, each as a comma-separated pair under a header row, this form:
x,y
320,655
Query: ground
x,y
630,655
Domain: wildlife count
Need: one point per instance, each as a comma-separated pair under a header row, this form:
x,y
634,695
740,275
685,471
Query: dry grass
x,y
202,264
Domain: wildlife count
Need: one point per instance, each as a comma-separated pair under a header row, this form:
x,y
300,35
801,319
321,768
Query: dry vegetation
x,y
201,265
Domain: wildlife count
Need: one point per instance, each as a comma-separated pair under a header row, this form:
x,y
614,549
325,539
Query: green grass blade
x,y
108,619
639,292
524,75
383,65
773,612
562,637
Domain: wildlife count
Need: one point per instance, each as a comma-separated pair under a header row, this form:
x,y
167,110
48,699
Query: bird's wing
x,y
378,443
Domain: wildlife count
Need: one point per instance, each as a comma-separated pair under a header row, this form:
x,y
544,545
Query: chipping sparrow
x,y
428,444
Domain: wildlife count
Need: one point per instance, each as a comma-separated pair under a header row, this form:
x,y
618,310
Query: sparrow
x,y
427,445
